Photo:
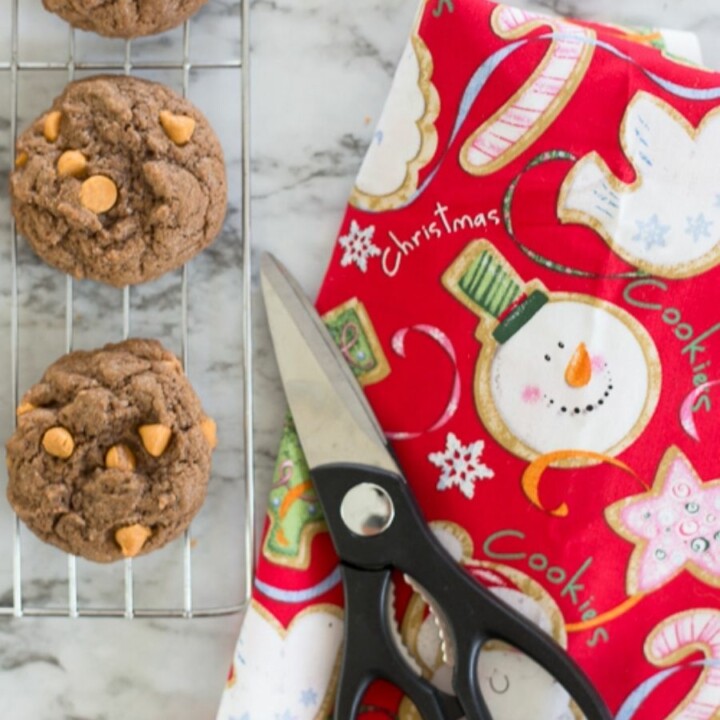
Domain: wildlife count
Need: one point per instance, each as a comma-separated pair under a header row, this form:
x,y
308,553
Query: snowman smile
x,y
588,407
499,690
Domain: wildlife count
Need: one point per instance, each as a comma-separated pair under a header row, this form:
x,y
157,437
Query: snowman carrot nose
x,y
579,370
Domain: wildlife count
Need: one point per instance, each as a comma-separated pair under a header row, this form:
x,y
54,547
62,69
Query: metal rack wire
x,y
185,607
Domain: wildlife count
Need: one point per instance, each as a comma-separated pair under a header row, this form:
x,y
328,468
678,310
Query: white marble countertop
x,y
320,72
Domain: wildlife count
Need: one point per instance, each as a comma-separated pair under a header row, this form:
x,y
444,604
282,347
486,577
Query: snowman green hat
x,y
482,280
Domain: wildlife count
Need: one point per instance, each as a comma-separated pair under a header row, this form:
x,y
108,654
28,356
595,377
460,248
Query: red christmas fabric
x,y
526,283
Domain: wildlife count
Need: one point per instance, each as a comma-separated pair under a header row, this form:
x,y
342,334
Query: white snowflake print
x,y
698,227
461,465
358,246
651,232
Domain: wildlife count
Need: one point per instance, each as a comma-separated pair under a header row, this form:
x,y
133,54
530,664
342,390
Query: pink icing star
x,y
675,526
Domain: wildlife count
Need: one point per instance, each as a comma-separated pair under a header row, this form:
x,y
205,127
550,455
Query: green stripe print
x,y
489,285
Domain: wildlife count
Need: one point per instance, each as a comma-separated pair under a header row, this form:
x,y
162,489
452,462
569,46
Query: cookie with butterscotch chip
x,y
124,18
120,181
111,455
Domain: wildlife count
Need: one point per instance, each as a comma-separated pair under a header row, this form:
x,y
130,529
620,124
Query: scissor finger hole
x,y
512,685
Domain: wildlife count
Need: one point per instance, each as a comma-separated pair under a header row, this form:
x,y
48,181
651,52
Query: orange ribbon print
x,y
606,617
534,473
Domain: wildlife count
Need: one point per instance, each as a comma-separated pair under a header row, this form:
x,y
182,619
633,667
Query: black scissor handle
x,y
371,653
473,614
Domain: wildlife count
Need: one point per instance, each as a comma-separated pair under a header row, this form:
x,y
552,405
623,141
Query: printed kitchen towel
x,y
526,284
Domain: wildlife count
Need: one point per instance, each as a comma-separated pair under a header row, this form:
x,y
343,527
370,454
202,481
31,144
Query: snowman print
x,y
557,371
513,686
575,378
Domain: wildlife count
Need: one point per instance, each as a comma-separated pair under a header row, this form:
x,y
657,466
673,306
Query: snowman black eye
x,y
561,345
547,358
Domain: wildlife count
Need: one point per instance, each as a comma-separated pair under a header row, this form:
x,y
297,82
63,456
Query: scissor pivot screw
x,y
367,510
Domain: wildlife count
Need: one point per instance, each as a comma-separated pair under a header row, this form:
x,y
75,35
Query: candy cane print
x,y
676,638
534,107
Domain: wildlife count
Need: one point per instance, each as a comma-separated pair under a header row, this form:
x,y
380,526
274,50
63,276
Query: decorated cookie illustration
x,y
507,678
666,222
405,139
679,638
557,371
294,511
537,103
675,526
352,330
303,659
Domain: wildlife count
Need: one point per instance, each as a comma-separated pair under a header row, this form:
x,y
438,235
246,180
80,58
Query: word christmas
x,y
445,223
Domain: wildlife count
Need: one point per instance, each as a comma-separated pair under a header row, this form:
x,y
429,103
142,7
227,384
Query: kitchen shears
x,y
377,528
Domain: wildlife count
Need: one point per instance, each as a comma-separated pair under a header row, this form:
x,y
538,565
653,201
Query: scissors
x,y
377,529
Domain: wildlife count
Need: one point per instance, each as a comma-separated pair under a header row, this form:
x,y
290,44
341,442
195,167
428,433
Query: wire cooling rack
x,y
119,599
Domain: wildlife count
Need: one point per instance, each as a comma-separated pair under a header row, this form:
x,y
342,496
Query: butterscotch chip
x,y
51,128
131,539
98,194
155,438
120,457
166,204
164,501
124,19
58,442
209,430
179,128
100,399
24,408
21,160
72,163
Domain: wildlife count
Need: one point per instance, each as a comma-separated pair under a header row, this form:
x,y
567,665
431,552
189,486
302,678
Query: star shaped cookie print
x,y
674,526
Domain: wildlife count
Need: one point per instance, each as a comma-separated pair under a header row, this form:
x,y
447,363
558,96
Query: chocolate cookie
x,y
111,455
124,18
121,181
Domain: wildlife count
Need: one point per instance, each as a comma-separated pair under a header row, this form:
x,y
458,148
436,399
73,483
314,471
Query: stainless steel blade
x,y
332,416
